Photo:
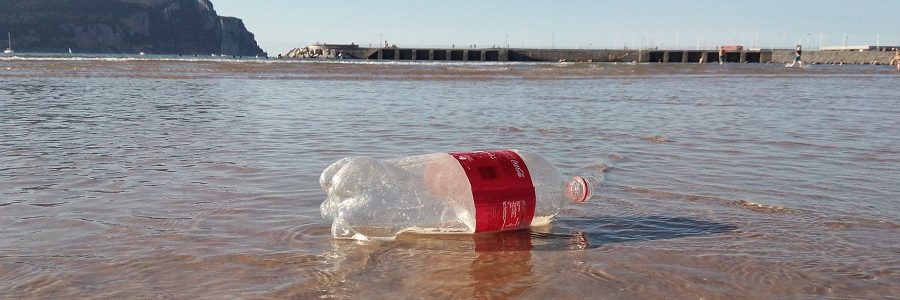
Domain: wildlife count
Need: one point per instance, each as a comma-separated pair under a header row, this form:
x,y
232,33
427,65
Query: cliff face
x,y
124,26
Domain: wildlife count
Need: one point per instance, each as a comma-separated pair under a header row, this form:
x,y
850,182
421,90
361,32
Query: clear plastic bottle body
x,y
372,199
550,187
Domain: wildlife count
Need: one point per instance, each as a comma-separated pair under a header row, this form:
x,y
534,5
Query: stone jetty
x,y
880,55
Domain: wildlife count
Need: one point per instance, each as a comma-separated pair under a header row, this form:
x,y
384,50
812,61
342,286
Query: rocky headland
x,y
124,26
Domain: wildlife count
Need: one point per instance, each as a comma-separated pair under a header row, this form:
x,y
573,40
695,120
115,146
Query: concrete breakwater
x,y
615,55
834,57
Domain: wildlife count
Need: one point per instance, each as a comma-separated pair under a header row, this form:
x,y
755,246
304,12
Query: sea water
x,y
129,177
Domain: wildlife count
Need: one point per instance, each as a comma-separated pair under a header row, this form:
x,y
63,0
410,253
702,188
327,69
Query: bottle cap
x,y
579,190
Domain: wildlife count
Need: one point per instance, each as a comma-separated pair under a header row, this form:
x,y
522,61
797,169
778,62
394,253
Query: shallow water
x,y
131,178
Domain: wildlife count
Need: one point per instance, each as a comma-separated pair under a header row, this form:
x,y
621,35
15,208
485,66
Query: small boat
x,y
142,53
9,49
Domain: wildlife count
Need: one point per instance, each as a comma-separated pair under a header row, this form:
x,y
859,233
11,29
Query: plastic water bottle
x,y
464,192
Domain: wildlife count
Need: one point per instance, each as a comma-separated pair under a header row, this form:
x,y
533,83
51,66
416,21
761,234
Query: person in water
x,y
721,55
797,53
895,60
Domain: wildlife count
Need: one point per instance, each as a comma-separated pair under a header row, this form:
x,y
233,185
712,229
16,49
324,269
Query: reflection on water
x,y
589,233
488,265
502,267
595,232
197,179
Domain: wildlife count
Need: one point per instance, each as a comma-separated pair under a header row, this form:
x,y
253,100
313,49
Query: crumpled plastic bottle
x,y
462,192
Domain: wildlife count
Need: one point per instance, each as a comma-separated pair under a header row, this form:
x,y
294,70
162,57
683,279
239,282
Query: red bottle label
x,y
501,187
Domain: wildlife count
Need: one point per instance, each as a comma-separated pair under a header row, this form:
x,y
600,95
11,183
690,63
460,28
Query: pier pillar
x,y
483,55
431,55
743,56
703,57
665,57
684,57
380,54
465,55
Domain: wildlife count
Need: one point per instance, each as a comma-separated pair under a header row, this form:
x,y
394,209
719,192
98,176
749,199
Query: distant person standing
x,y
721,55
797,53
895,60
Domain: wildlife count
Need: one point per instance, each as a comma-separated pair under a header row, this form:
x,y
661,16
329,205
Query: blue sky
x,y
283,24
